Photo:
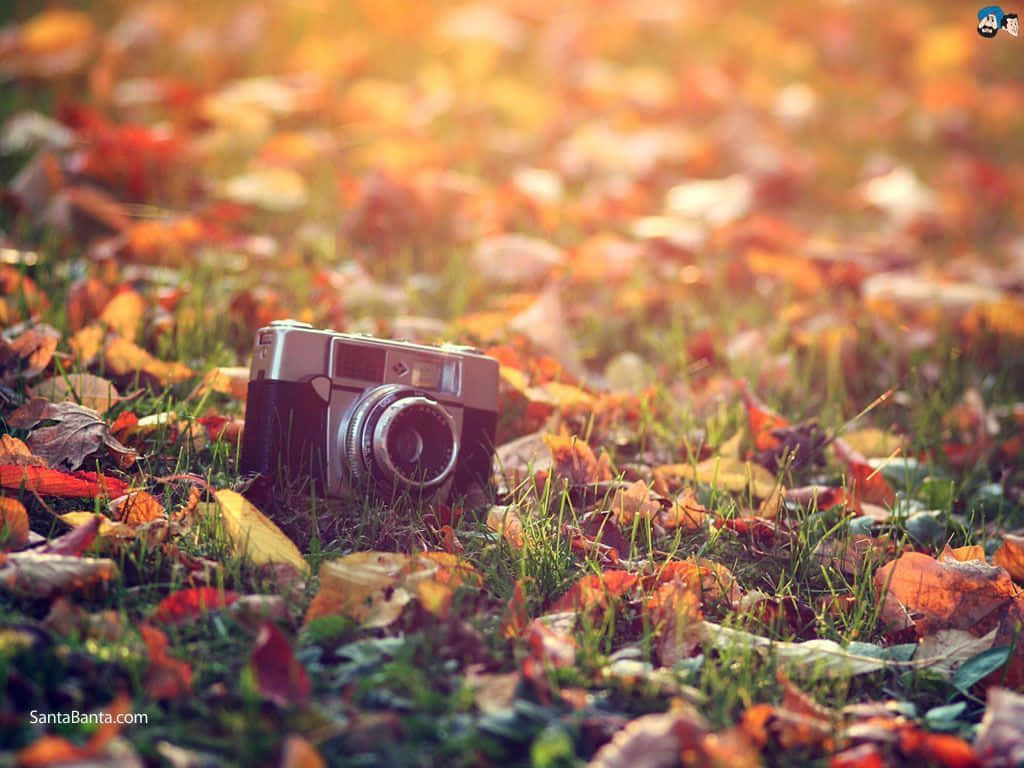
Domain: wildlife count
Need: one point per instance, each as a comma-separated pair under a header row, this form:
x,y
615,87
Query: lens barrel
x,y
400,438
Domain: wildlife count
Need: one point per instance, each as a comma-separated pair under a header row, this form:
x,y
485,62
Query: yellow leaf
x,y
726,473
354,586
255,534
108,528
123,314
873,443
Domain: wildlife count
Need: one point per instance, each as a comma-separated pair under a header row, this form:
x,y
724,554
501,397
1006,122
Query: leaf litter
x,y
754,281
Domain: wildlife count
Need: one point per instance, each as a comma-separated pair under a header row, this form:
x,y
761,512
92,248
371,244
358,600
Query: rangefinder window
x,y
359,361
426,374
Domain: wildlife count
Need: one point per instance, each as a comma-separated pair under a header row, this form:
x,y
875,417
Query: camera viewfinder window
x,y
426,374
358,361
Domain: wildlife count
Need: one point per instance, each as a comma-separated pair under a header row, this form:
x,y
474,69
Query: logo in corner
x,y
991,19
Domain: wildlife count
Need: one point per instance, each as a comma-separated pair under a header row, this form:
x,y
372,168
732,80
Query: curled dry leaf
x,y
279,675
869,484
252,533
504,520
79,431
85,388
634,501
686,513
675,614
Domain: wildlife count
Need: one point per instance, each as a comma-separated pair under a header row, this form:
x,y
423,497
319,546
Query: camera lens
x,y
400,437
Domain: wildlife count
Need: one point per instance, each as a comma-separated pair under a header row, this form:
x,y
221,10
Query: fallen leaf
x,y
686,513
722,472
634,501
869,484
232,381
29,354
999,742
14,453
279,675
575,462
108,529
50,750
44,575
53,482
761,419
167,677
675,615
78,433
1010,556
253,534
79,539
137,508
516,259
123,358
189,604
13,523
505,522
123,314
299,753
86,389
596,591
356,585
654,741
272,188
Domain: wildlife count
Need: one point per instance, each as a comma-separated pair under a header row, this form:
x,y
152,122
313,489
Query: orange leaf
x,y
869,484
574,460
762,420
137,508
595,589
56,483
167,677
188,604
1010,556
14,519
938,748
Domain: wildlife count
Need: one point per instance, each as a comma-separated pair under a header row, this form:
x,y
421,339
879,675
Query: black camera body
x,y
357,414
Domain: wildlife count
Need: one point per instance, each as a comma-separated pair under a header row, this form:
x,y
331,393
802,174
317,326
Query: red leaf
x,y
190,604
762,420
594,589
869,484
56,483
938,748
280,677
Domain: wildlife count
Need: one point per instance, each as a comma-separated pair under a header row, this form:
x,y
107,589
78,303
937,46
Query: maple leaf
x,y
79,432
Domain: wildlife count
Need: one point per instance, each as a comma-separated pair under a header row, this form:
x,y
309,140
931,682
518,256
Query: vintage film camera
x,y
359,414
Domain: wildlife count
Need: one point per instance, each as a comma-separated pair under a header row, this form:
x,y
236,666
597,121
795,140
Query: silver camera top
x,y
290,350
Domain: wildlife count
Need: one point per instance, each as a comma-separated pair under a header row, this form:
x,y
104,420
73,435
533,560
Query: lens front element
x,y
399,438
415,441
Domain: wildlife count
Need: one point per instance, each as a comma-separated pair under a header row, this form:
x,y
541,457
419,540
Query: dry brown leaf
x,y
78,433
14,452
167,677
505,521
109,529
84,388
28,355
